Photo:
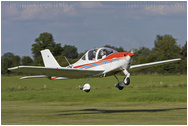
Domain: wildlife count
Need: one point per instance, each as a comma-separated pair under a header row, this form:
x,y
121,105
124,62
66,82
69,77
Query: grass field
x,y
148,100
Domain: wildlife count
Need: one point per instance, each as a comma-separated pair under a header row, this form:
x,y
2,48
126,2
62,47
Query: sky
x,y
87,25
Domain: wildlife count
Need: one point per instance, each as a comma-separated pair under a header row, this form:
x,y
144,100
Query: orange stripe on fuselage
x,y
110,57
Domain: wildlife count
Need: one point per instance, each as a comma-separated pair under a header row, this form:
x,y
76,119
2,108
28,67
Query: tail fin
x,y
48,59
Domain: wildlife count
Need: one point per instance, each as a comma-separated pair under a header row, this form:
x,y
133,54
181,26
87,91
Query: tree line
x,y
165,47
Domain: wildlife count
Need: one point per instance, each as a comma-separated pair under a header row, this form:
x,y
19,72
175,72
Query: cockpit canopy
x,y
97,53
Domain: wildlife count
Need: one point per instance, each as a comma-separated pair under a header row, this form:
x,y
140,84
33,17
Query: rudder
x,y
48,59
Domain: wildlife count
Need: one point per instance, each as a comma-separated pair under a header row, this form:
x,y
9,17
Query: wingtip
x,y
13,68
177,59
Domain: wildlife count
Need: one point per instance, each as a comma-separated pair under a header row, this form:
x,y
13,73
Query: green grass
x,y
147,100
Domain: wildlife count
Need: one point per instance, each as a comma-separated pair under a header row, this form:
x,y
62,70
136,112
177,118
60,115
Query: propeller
x,y
133,50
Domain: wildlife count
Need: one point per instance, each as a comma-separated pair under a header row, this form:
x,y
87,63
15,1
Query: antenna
x,y
67,60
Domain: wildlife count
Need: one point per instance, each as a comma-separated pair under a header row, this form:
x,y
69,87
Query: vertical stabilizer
x,y
48,59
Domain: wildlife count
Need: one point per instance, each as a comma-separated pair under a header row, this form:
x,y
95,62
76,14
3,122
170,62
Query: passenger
x,y
104,54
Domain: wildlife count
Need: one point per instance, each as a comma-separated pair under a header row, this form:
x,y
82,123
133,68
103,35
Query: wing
x,y
153,63
60,72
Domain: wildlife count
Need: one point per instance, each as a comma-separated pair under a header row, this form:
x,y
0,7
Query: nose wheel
x,y
126,80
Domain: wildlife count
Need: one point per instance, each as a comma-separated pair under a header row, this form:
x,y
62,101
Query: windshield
x,y
105,52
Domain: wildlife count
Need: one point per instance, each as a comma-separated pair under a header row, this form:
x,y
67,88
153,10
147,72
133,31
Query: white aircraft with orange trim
x,y
94,63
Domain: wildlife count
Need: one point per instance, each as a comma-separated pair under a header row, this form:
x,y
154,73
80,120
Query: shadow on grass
x,y
99,111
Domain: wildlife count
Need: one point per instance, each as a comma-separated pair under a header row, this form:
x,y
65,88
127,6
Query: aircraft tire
x,y
127,80
120,85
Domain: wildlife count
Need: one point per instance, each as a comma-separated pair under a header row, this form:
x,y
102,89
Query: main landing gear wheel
x,y
126,81
120,85
86,87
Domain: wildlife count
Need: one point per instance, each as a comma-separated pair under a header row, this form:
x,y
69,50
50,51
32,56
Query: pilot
x,y
93,55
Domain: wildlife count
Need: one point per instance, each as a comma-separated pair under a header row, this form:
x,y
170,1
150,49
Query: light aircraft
x,y
94,63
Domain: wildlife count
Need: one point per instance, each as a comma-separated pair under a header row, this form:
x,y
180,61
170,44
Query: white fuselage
x,y
109,66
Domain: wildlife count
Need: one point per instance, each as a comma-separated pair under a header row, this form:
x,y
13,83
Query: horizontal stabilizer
x,y
44,76
29,77
57,78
